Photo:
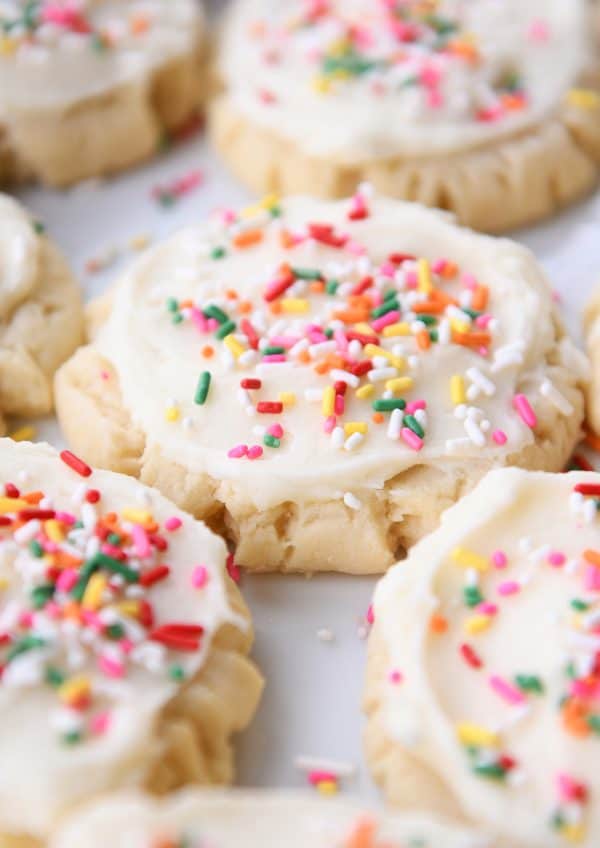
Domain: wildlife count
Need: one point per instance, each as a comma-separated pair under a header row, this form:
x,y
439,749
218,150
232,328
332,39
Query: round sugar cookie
x,y
254,820
41,317
484,667
123,642
320,380
465,106
93,87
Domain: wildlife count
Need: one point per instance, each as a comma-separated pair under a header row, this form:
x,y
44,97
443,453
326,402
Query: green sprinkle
x,y
117,567
39,228
177,673
27,643
172,304
218,253
530,683
472,596
329,332
35,549
433,335
391,294
166,199
271,441
115,631
306,273
72,738
202,388
98,43
113,539
332,287
428,320
268,351
54,676
493,771
225,330
411,422
87,569
177,318
387,306
41,595
388,404
275,211
594,723
579,605
215,312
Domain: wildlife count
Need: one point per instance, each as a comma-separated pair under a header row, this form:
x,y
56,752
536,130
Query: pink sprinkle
x,y
355,248
238,452
396,676
140,541
487,608
412,280
339,404
212,324
53,610
110,667
482,321
233,569
389,318
274,357
255,452
199,576
526,413
556,558
506,690
387,269
510,587
26,620
469,281
100,723
570,789
340,339
500,437
104,375
439,266
591,578
320,776
66,580
198,320
66,518
284,341
499,559
539,31
126,646
275,430
414,405
413,441
111,550
370,614
329,424
435,99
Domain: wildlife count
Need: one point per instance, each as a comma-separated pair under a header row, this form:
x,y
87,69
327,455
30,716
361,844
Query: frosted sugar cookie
x,y
92,87
484,674
41,318
592,333
254,820
459,105
122,642
320,380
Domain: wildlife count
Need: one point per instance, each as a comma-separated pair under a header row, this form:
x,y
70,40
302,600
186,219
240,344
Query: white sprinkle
x,y
395,424
313,395
354,441
481,381
551,393
298,348
589,511
325,635
376,375
345,376
247,358
337,437
473,431
322,349
26,533
457,445
352,501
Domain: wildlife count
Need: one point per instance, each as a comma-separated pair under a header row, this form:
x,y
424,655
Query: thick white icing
x,y
543,528
61,62
254,820
269,70
41,776
18,255
159,362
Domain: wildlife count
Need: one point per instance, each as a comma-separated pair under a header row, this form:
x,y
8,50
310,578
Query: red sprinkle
x,y
250,383
272,407
92,496
587,488
155,575
78,465
470,656
11,490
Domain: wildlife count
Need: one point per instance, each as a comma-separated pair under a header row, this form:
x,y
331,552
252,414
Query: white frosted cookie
x,y
483,685
41,317
254,820
455,104
320,380
591,323
123,642
91,87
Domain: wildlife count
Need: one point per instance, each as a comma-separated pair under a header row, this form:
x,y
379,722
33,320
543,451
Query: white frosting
x,y
18,255
159,361
255,821
60,61
269,63
543,528
41,776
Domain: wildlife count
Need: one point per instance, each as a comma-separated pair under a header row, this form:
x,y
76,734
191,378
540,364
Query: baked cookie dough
x,y
484,676
92,87
254,820
41,315
319,381
466,106
123,642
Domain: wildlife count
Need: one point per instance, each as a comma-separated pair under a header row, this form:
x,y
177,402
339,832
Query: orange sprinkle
x,y
574,716
317,287
275,307
248,238
430,307
437,623
186,304
471,339
363,835
245,307
449,271
33,497
61,559
286,239
351,316
231,294
139,24
208,351
480,298
71,610
304,357
378,418
423,340
592,556
441,297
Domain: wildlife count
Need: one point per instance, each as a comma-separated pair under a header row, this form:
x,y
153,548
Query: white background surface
x,y
312,700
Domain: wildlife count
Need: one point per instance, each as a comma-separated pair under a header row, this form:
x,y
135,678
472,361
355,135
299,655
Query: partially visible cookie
x,y
592,335
41,317
254,820
123,643
91,88
319,381
484,667
462,107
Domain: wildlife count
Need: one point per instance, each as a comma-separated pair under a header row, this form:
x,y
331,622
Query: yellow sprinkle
x,y
54,530
365,329
4,583
251,211
477,624
476,736
460,326
572,832
424,276
287,398
74,689
399,384
294,305
7,46
172,413
397,361
327,787
23,434
139,242
328,405
94,591
269,201
12,505
355,427
235,347
457,390
321,85
399,329
469,559
129,608
365,391
583,98
137,516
